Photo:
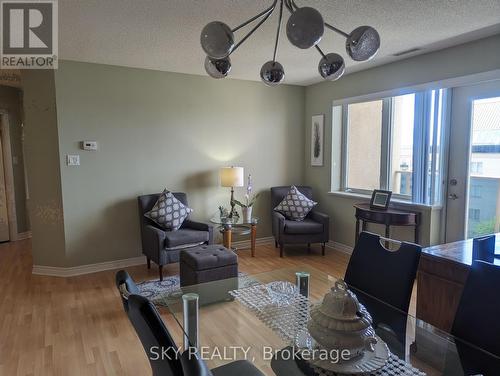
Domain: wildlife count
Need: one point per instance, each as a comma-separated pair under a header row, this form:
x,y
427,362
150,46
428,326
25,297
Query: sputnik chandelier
x,y
304,29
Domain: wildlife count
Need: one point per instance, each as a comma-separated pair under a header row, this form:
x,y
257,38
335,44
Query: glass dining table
x,y
227,324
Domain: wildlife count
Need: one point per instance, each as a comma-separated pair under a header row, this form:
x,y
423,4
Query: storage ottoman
x,y
207,263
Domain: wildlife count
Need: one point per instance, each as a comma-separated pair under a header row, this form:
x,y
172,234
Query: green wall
x,y
156,130
466,59
42,164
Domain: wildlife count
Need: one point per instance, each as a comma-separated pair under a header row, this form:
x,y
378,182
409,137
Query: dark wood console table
x,y
388,218
441,277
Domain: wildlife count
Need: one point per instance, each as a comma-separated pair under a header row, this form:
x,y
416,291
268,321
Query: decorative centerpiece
x,y
247,205
340,323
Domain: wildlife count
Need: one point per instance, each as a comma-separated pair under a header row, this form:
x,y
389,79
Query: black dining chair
x,y
382,279
483,248
477,320
126,286
149,327
155,337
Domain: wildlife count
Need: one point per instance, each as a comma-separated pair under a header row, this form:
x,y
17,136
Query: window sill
x,y
397,202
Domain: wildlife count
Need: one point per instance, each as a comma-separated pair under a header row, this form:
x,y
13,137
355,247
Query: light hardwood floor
x,y
76,326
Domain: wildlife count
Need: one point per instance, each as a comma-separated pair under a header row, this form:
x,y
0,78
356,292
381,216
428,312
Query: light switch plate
x,y
89,145
73,160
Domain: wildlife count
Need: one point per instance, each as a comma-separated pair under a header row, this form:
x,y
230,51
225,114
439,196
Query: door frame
x,y
9,174
458,168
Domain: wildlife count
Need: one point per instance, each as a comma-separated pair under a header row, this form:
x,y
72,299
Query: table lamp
x,y
231,177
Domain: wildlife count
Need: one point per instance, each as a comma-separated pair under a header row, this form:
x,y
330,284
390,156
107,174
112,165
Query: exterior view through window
x,y
484,169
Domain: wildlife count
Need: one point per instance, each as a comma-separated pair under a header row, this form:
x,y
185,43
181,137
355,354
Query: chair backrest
x,y
383,274
157,342
483,248
477,318
146,203
123,278
278,193
193,365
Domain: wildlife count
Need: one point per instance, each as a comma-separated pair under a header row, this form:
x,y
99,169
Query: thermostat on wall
x,y
89,145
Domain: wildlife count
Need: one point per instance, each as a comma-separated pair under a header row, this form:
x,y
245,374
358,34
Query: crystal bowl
x,y
281,293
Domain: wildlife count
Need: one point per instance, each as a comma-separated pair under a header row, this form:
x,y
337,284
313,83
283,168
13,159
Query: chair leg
x,y
308,247
323,249
160,269
149,263
281,249
275,244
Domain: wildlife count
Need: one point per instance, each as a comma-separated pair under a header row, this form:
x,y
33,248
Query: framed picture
x,y
317,130
380,199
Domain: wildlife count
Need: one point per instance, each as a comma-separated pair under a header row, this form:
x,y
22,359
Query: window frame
x,y
386,109
426,154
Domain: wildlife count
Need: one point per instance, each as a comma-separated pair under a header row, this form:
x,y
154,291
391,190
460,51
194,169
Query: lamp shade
x,y
231,177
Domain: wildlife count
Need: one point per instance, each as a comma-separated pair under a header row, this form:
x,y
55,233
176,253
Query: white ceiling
x,y
164,34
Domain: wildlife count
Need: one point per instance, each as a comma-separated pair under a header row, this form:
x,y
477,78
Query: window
x,y
476,168
403,115
475,191
395,144
474,214
364,139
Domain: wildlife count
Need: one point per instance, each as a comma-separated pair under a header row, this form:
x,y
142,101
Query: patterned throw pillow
x,y
295,205
168,212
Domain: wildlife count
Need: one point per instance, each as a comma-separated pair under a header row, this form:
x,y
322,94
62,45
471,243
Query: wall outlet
x,y
73,160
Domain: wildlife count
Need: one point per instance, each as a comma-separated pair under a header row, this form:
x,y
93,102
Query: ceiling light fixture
x,y
304,29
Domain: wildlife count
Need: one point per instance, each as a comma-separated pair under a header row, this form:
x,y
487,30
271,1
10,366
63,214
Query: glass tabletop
x,y
234,221
242,318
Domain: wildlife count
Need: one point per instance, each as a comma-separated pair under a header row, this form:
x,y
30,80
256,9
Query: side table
x,y
238,226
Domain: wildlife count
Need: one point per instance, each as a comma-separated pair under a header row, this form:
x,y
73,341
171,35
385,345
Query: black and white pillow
x,y
295,205
168,212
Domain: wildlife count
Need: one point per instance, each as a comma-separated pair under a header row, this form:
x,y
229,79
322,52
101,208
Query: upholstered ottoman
x,y
207,263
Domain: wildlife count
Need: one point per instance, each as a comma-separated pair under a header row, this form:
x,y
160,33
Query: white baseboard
x,y
87,269
55,271
141,260
24,235
339,247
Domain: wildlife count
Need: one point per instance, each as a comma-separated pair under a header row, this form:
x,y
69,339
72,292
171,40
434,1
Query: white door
x,y
473,203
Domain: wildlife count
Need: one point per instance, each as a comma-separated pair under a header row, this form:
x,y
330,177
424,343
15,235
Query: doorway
x,y
473,200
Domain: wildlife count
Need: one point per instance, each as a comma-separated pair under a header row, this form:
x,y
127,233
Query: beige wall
x,y
42,163
157,130
445,64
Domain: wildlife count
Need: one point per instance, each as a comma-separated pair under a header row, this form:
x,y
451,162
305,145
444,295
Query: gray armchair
x,y
163,247
315,228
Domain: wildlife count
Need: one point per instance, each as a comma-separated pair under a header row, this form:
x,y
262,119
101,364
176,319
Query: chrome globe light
x,y
217,40
304,29
363,43
217,68
331,67
272,73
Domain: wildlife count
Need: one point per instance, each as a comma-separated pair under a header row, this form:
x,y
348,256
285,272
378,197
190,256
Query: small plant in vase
x,y
247,204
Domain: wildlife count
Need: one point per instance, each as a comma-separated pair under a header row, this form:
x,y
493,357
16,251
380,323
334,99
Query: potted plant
x,y
247,204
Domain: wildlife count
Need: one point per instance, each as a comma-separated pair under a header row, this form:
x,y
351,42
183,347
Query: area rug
x,y
154,289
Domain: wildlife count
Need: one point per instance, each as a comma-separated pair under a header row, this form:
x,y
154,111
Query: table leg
x,y
227,236
253,238
387,235
356,234
364,226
